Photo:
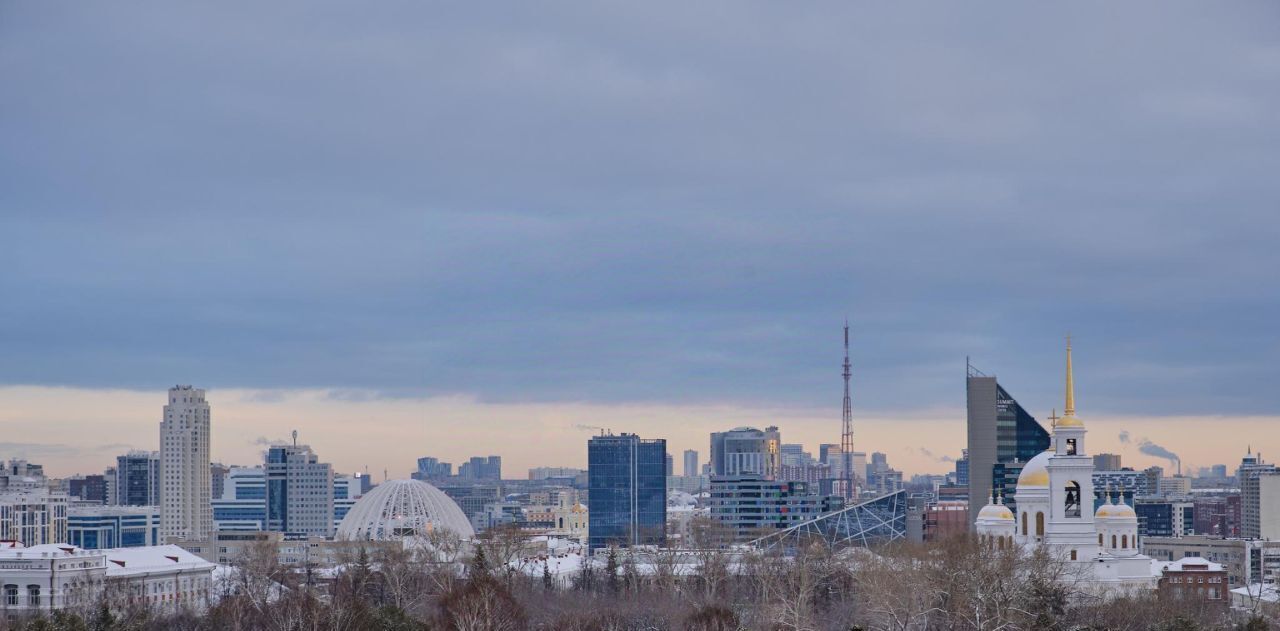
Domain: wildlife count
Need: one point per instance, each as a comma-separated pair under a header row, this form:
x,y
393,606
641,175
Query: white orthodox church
x,y
1054,504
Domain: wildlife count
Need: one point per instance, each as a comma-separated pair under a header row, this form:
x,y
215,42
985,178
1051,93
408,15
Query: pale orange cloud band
x,y
74,430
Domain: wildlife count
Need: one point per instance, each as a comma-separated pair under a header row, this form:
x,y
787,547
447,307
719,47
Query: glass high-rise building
x,y
243,503
1000,432
627,491
299,491
138,479
747,451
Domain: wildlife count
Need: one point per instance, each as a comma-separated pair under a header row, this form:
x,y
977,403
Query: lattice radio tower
x,y
848,477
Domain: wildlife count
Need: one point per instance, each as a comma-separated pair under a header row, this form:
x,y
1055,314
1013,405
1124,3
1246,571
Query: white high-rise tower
x,y
185,509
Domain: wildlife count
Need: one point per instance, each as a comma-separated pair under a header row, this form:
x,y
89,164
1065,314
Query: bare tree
x,y
481,604
709,540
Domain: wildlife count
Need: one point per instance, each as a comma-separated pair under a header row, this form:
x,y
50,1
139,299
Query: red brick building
x,y
945,519
1193,577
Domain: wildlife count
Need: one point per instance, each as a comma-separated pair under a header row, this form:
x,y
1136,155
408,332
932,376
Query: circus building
x,y
1055,510
403,508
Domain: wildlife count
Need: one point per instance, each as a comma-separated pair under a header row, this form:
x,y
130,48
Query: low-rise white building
x,y
163,578
48,577
56,576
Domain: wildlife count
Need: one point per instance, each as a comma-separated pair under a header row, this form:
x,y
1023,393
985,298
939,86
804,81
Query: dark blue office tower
x,y
627,491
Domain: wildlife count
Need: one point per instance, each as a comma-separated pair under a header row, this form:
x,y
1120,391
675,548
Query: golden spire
x,y
1070,409
1069,419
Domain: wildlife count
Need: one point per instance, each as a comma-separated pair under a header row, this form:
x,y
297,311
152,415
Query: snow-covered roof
x,y
1185,564
1265,593
13,550
142,560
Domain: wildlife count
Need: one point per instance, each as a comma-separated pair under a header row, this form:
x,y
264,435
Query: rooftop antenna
x,y
295,438
846,433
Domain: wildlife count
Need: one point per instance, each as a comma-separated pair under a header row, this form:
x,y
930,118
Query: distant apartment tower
x,y
481,468
90,488
627,491
690,463
299,491
430,468
1267,487
217,478
670,467
828,454
747,450
1249,475
185,509
33,517
962,470
1106,462
138,479
793,454
1000,431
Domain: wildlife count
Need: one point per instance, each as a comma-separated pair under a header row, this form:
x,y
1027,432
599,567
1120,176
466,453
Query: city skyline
x,y
715,315
246,423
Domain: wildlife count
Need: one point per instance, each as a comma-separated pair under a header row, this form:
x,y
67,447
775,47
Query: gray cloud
x,y
644,203
1124,437
36,450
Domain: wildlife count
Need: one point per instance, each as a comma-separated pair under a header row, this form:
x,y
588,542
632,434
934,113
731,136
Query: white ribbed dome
x,y
400,508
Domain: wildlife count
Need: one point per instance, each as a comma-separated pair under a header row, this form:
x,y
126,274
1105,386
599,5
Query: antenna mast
x,y
848,477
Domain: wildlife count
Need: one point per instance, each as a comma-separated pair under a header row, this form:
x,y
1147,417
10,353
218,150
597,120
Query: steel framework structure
x,y
864,524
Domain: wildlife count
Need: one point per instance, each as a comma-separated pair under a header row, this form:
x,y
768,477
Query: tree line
x,y
504,582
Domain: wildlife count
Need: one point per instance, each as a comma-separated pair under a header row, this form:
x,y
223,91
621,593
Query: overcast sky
x,y
645,204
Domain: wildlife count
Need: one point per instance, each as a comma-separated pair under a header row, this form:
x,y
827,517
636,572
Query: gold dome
x,y
1123,510
1105,511
1036,472
1069,421
995,511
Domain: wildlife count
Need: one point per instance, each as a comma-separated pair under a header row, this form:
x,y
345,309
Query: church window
x,y
1072,503
1073,555
1113,541
1124,541
1024,524
1039,524
1099,538
1071,446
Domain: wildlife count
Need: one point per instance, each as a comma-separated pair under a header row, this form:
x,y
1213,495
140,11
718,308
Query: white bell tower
x,y
1071,529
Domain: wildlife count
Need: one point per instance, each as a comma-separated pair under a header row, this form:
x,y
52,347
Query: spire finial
x,y
1070,408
